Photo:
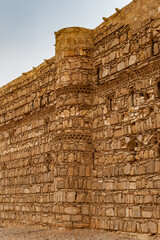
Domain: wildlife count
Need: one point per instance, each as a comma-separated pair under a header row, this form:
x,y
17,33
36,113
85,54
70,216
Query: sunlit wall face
x,y
27,29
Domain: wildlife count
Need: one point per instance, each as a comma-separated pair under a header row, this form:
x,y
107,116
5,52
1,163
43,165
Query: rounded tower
x,y
73,123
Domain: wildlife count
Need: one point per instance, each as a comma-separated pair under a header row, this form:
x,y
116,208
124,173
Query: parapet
x,y
73,41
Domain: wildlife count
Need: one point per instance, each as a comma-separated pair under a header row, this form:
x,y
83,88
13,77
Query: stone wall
x,y
80,134
126,125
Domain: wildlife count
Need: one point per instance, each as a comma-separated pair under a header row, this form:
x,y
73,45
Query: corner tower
x,y
73,129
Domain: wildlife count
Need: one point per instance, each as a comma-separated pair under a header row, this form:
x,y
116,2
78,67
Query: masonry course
x,y
80,134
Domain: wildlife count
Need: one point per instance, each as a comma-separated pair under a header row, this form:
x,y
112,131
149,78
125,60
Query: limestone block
x,y
121,212
159,228
158,119
70,171
110,212
109,185
82,171
95,101
76,218
72,111
81,225
122,185
157,184
71,196
132,185
115,42
88,101
85,210
120,66
66,217
127,169
63,172
99,111
26,190
71,102
71,157
114,119
114,69
126,49
118,133
112,56
151,154
107,121
83,113
132,60
80,197
152,227
60,184
141,170
143,237
87,171
72,210
148,199
105,72
144,228
135,212
65,113
155,48
147,213
101,100
94,185
81,147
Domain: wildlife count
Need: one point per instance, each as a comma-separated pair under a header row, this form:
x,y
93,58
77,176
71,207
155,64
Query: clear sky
x,y
27,29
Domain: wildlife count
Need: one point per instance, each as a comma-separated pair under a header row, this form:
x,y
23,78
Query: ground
x,y
29,233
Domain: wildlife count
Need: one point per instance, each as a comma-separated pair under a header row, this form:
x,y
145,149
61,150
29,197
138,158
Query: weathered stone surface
x,y
76,218
121,212
127,169
135,212
132,60
157,184
71,196
71,210
80,134
109,212
105,72
147,214
126,48
152,227
156,48
120,66
109,186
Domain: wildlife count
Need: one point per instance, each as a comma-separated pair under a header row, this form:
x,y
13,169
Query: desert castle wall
x,y
80,134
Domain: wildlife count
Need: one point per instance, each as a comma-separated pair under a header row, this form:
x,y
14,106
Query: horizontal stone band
x,y
73,136
75,89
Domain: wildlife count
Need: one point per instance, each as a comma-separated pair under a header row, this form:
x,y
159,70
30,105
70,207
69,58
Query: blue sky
x,y
27,29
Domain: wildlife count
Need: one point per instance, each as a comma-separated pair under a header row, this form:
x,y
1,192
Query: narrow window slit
x,y
158,89
41,101
98,76
132,99
111,104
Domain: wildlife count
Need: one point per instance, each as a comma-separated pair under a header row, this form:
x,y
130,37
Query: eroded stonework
x,y
80,134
